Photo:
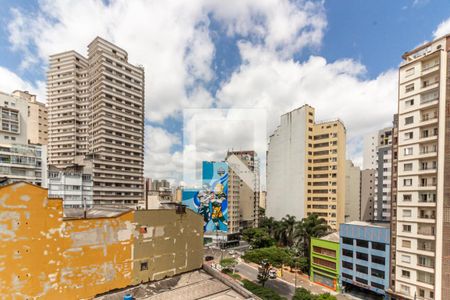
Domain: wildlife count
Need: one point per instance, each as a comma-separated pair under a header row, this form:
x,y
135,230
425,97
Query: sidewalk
x,y
304,282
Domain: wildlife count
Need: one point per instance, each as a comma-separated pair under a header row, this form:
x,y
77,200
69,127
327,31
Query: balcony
x,y
426,230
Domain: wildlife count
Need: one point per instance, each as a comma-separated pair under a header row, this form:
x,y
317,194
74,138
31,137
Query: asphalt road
x,y
281,287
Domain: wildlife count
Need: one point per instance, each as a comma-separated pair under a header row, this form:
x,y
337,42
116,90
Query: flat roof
x,y
95,212
332,237
188,286
370,224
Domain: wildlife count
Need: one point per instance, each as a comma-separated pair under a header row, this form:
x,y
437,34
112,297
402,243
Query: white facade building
x,y
73,184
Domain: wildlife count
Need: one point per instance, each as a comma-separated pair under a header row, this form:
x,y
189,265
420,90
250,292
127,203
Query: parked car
x,y
209,258
272,273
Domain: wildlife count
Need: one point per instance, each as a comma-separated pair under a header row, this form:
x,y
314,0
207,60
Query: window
x,y
362,256
144,266
361,280
378,260
409,88
377,285
421,293
406,259
409,72
409,102
378,246
406,243
346,252
407,182
409,120
324,263
405,289
406,274
406,228
347,265
409,135
348,276
408,151
406,213
407,167
362,269
377,273
347,241
361,243
407,197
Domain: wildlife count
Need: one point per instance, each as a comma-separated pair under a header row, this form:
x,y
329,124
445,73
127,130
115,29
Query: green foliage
x,y
263,272
304,294
257,238
274,255
228,263
262,292
301,263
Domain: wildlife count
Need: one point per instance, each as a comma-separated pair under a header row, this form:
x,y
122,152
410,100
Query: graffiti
x,y
212,200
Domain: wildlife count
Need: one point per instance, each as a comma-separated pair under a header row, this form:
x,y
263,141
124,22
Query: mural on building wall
x,y
212,200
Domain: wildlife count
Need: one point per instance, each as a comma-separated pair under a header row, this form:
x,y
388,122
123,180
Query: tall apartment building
x,y
96,112
306,168
422,215
378,157
19,161
352,192
37,122
367,194
243,188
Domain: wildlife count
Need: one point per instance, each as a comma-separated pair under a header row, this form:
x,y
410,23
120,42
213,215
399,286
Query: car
x,y
272,273
209,258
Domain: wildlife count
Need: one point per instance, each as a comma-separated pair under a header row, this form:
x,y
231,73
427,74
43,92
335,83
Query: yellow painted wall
x,y
44,256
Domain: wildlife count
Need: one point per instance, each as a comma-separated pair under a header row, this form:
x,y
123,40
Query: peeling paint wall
x,y
43,256
168,242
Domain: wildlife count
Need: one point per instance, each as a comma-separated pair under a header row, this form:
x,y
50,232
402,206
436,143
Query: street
x,y
280,286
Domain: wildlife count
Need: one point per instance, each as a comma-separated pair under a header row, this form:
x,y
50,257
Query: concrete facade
x,y
80,257
306,168
367,194
422,266
73,184
243,189
13,120
352,192
37,122
325,261
365,259
96,110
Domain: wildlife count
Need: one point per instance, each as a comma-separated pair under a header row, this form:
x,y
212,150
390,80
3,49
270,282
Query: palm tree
x,y
309,227
270,224
288,224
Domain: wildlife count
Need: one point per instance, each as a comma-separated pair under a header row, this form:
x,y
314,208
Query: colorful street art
x,y
212,200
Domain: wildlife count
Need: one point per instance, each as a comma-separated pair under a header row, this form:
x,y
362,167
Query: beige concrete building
x,y
422,252
306,168
37,122
352,192
96,111
367,194
243,190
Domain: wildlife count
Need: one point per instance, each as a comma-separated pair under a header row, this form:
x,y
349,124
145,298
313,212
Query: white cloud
x,y
171,39
10,81
337,90
442,29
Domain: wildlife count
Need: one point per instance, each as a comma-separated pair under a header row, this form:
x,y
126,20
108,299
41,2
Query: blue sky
x,y
339,56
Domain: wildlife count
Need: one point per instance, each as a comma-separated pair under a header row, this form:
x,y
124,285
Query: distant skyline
x,y
341,57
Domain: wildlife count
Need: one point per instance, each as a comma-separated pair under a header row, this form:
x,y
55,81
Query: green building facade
x,y
324,269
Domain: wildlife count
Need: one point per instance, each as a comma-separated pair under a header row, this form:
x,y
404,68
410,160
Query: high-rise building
x,y
243,189
96,112
37,122
352,192
378,157
422,214
306,168
367,194
19,161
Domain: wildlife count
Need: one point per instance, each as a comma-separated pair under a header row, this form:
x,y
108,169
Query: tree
x,y
269,224
262,292
312,226
257,238
304,294
263,272
299,263
228,263
274,255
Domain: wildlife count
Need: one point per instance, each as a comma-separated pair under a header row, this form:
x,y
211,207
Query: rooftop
x,y
370,224
332,237
192,285
95,212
